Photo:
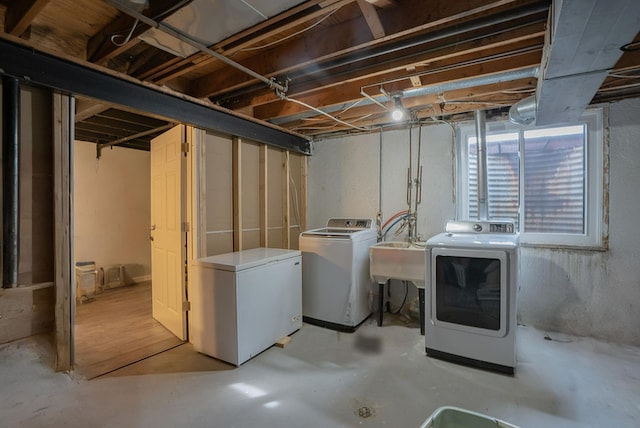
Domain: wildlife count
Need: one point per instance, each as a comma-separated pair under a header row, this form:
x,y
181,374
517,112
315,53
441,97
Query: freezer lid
x,y
247,259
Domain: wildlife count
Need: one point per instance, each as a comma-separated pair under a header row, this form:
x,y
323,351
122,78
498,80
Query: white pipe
x,y
481,134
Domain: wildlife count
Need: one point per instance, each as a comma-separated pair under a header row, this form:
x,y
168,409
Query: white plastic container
x,y
454,417
86,281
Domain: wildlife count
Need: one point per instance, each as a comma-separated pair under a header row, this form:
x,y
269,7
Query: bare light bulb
x,y
397,113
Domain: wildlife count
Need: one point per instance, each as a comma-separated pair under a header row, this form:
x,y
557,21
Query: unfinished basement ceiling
x,y
335,64
107,126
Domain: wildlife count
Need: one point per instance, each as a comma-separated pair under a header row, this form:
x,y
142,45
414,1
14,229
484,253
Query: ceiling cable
x,y
284,97
275,42
180,35
127,38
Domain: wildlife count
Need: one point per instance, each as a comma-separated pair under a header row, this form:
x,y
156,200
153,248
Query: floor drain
x,y
365,412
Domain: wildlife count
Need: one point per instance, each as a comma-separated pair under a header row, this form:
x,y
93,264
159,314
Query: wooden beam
x,y
198,179
350,92
286,201
267,29
302,196
122,33
63,206
237,193
415,80
439,104
391,67
86,109
264,196
409,18
372,18
20,14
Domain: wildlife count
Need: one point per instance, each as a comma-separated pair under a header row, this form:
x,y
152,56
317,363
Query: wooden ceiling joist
x,y
528,37
122,33
20,14
372,18
290,19
308,53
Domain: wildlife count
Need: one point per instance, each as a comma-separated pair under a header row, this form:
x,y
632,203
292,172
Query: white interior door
x,y
168,236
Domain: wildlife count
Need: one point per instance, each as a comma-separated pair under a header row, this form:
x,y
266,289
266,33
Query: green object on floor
x,y
453,417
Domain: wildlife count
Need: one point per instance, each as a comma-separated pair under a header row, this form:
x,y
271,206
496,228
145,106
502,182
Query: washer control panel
x,y
350,223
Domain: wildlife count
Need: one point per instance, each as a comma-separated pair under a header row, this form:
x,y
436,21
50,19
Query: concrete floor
x,y
322,379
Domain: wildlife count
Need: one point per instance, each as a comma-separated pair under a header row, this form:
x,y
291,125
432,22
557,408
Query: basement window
x,y
549,180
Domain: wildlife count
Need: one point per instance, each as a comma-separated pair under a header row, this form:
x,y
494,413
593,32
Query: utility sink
x,y
398,260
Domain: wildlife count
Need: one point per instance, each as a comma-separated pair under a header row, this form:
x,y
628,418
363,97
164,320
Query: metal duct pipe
x,y
506,76
10,181
481,134
524,111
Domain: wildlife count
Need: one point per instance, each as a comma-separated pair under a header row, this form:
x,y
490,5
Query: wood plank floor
x,y
117,329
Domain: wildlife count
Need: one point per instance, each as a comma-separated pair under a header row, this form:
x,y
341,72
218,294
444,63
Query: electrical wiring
x,y
275,42
302,103
127,38
137,21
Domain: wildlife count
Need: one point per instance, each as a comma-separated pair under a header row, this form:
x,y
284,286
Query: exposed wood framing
x,y
20,14
458,54
264,198
237,196
334,43
286,201
63,206
267,29
372,18
302,196
196,187
72,77
122,33
86,109
348,91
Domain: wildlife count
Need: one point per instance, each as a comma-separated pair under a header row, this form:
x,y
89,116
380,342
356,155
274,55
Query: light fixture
x,y
398,111
139,5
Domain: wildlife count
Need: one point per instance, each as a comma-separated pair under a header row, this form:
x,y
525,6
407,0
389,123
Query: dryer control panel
x,y
481,226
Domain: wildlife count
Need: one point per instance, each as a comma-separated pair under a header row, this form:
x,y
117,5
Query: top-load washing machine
x,y
335,273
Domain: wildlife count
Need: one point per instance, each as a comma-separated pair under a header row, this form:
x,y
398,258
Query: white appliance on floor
x,y
335,273
472,280
244,302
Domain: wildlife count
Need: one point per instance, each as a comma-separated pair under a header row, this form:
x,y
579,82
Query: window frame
x,y
595,210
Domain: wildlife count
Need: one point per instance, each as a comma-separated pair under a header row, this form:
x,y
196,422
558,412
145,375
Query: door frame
x,y
64,280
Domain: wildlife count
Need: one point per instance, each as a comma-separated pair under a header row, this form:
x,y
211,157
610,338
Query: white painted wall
x,y
344,177
586,293
344,181
595,293
112,208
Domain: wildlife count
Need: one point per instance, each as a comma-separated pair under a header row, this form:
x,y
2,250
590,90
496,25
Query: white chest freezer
x,y
243,302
